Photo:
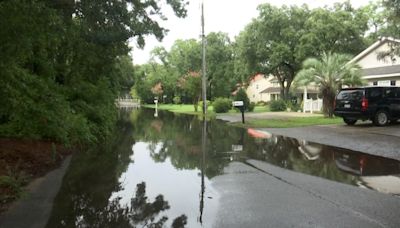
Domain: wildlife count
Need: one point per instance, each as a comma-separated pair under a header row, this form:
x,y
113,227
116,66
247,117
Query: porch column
x,y
304,99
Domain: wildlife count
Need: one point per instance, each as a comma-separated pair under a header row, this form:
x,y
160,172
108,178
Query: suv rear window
x,y
350,95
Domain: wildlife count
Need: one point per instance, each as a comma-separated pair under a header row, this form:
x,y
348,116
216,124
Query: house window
x,y
254,95
392,83
375,83
257,86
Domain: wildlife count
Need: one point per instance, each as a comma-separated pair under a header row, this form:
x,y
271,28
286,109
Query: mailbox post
x,y
240,106
156,111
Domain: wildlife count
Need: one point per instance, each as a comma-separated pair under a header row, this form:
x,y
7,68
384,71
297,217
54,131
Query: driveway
x,y
363,137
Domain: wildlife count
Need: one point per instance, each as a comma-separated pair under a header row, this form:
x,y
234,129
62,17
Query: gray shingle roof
x,y
381,70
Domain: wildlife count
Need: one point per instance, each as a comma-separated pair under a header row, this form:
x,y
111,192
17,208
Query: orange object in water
x,y
258,134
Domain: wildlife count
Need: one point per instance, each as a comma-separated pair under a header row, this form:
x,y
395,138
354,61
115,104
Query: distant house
x,y
267,89
378,71
257,86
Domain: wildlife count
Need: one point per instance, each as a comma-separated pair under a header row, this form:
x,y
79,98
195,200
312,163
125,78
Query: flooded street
x,y
156,174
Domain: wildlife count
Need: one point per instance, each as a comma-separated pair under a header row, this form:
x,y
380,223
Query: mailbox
x,y
240,106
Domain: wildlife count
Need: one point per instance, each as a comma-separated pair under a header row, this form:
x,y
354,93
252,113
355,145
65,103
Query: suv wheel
x,y
349,121
381,118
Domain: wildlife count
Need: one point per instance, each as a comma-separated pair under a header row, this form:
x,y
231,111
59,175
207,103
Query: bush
x,y
222,105
201,104
177,100
277,105
251,107
293,106
262,103
241,95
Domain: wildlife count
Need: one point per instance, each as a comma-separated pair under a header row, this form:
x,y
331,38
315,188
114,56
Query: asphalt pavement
x,y
365,137
257,194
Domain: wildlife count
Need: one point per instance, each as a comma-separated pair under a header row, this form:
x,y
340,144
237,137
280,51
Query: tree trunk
x,y
287,89
328,102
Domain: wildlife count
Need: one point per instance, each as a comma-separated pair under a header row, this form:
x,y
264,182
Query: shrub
x,y
251,107
201,104
262,103
177,100
222,105
278,105
241,95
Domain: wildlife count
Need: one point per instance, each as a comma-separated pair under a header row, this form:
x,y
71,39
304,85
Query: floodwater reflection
x,y
156,174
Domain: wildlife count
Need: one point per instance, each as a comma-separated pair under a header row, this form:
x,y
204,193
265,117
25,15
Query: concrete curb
x,y
34,209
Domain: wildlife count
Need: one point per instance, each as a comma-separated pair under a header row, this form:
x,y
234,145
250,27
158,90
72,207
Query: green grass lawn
x,y
257,123
289,122
182,108
261,109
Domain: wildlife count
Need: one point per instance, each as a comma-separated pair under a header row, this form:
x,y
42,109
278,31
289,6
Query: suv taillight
x,y
364,104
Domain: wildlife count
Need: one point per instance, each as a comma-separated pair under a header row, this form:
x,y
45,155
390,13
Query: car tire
x,y
350,122
381,118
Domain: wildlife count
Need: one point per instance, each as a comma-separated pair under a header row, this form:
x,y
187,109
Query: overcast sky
x,y
228,16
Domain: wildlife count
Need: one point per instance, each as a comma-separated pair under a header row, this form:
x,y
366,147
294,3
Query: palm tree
x,y
330,73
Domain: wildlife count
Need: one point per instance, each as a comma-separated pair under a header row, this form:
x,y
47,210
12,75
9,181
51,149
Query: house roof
x,y
373,47
380,71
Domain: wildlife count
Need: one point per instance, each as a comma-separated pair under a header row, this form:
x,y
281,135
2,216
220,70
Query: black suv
x,y
379,104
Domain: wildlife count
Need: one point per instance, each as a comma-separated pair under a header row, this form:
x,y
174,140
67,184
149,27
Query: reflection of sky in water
x,y
181,188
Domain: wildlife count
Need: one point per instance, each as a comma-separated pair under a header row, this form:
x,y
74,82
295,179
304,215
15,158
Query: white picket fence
x,y
312,105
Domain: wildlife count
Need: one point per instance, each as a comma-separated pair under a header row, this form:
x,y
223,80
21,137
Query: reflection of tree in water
x,y
180,139
140,213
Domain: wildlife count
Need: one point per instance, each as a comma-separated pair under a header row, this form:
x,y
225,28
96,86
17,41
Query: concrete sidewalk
x,y
34,209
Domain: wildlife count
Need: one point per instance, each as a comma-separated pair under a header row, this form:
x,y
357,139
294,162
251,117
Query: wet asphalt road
x,y
364,137
258,194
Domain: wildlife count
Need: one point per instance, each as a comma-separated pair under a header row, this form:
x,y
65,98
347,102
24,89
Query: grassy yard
x,y
289,122
284,122
182,108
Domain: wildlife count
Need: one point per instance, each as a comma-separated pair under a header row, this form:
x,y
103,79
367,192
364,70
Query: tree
x,y
280,39
191,85
63,63
330,73
270,43
219,65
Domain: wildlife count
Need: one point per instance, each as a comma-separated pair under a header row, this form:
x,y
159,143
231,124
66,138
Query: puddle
x,y
157,174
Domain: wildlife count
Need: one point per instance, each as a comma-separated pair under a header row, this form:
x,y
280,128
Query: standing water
x,y
151,175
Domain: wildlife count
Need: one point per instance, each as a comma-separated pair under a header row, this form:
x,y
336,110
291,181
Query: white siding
x,y
371,59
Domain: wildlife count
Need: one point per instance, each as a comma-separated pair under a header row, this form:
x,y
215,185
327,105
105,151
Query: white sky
x,y
228,16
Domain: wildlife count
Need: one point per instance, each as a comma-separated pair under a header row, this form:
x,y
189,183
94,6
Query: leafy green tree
x,y
340,29
191,85
64,62
185,56
219,65
330,73
280,39
270,44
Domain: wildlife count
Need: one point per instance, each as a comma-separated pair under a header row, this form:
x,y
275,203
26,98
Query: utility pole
x,y
204,129
203,71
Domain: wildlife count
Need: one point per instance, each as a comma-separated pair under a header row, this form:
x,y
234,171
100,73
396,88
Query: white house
x,y
267,89
257,86
378,71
